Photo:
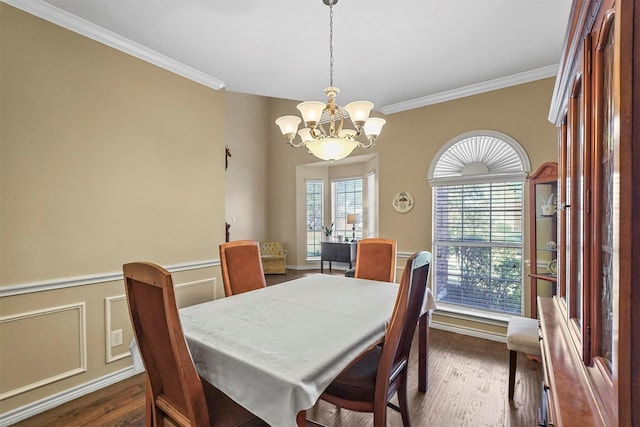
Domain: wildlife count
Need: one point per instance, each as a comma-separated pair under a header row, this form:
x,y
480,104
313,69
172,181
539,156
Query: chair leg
x,y
380,412
402,401
148,405
513,358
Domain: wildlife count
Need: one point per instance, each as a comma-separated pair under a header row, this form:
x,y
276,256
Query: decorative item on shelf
x,y
548,210
328,231
550,207
403,202
353,219
336,142
552,245
552,266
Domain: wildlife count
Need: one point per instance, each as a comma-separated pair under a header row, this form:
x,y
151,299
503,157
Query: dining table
x,y
274,350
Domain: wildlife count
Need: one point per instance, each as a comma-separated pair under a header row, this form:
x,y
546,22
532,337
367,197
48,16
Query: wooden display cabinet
x,y
543,230
591,328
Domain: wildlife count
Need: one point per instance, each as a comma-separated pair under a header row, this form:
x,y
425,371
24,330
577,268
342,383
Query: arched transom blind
x,y
479,154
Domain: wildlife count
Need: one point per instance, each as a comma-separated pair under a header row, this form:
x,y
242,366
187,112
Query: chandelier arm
x,y
369,145
296,144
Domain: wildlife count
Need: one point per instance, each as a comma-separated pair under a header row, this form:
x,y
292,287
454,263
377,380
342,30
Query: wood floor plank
x,y
121,404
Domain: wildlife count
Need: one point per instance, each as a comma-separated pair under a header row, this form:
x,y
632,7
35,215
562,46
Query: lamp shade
x,y
353,219
305,135
311,111
359,111
373,127
288,124
331,148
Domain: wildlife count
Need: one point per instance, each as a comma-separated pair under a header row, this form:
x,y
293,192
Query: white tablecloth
x,y
275,350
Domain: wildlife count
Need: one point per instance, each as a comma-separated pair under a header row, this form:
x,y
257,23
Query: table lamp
x,y
353,220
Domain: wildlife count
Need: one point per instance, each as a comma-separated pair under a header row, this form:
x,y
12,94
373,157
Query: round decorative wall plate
x,y
403,202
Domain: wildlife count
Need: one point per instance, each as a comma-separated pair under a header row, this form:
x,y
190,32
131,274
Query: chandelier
x,y
324,134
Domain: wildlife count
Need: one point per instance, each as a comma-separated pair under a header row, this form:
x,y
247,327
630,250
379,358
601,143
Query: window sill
x,y
465,321
475,315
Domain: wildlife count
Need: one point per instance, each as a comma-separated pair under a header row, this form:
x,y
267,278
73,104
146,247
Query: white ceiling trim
x,y
78,25
475,89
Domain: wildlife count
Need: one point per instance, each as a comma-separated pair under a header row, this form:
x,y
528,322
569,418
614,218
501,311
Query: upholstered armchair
x,y
274,258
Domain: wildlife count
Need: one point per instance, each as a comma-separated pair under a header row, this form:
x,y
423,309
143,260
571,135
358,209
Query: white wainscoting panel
x,y
109,303
13,321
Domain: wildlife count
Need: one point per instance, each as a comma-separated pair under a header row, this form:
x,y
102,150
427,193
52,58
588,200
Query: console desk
x,y
338,252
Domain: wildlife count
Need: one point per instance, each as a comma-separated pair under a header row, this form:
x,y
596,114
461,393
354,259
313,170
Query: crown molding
x,y
85,28
57,16
475,89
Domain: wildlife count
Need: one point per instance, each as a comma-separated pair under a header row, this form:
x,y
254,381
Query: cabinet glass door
x,y
604,187
543,233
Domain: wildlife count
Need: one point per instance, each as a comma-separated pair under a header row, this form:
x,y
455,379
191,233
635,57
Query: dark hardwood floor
x,y
467,387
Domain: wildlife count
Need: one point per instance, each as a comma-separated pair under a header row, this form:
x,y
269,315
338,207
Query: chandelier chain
x,y
331,42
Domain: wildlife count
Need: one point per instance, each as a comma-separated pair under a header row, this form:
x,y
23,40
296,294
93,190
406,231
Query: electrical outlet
x,y
116,338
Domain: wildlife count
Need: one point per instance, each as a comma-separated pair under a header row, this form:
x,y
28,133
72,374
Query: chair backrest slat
x,y
175,385
406,312
241,267
376,259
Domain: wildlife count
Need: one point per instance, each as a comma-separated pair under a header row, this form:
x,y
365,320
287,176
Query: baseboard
x,y
336,266
53,401
303,267
467,331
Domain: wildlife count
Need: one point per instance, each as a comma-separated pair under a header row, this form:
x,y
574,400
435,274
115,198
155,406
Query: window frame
x,y
479,157
339,218
318,231
370,206
497,243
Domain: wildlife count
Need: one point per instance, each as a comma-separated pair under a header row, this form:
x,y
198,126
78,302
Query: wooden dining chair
x,y
241,267
371,380
376,260
175,391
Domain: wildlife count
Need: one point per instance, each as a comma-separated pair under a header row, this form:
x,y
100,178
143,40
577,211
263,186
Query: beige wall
x,y
104,159
246,190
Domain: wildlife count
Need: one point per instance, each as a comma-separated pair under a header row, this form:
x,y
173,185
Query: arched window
x,y
478,222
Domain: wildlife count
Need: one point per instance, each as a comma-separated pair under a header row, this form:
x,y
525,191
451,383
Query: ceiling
x,y
400,54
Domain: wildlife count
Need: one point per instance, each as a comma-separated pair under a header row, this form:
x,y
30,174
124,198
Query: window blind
x,y
478,245
346,199
315,195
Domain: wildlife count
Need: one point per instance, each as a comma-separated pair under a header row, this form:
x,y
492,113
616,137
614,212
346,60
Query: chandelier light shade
x,y
324,133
